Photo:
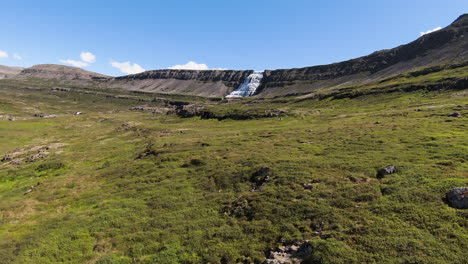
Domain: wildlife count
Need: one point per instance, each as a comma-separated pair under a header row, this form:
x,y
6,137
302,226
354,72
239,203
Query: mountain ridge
x,y
447,45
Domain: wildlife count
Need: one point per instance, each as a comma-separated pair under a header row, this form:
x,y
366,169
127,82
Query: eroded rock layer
x,y
209,83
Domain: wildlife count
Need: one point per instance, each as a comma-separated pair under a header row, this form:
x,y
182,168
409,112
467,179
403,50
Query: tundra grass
x,y
133,187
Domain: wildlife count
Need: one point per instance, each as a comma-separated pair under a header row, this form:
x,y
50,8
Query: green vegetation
x,y
135,187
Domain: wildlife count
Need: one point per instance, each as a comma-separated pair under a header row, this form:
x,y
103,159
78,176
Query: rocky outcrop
x,y
208,83
260,177
293,254
192,110
447,45
33,154
390,169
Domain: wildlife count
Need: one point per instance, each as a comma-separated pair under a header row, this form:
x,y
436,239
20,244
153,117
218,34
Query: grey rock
x,y
455,114
458,198
293,254
390,169
39,155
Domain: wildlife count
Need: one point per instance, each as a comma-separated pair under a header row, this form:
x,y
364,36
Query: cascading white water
x,y
248,87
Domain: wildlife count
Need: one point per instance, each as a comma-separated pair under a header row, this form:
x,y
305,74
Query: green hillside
x,y
115,185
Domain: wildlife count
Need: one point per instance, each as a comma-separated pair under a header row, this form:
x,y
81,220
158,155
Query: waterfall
x,y
248,87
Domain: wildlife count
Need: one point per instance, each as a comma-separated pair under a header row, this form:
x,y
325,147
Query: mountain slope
x,y
446,45
9,72
60,72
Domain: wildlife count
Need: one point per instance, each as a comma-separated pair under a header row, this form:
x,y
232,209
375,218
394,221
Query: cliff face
x,y
446,45
209,83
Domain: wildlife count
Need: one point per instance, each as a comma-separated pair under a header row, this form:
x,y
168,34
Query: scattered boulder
x,y
455,114
458,198
307,186
31,188
293,254
7,157
260,177
390,169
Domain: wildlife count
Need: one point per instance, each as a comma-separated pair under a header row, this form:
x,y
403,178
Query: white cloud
x,y
430,31
87,57
75,63
127,67
18,57
191,65
3,54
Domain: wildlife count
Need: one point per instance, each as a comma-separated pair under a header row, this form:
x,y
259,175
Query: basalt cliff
x,y
209,83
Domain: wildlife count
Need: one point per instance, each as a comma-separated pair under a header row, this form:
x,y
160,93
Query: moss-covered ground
x,y
135,187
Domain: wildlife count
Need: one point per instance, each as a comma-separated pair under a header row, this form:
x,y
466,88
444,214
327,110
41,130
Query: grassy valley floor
x,y
119,186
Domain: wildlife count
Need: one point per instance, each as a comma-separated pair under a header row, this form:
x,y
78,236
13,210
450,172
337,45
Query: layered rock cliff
x,y
446,45
209,83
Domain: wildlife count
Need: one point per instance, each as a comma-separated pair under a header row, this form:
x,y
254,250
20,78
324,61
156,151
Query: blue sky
x,y
241,34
